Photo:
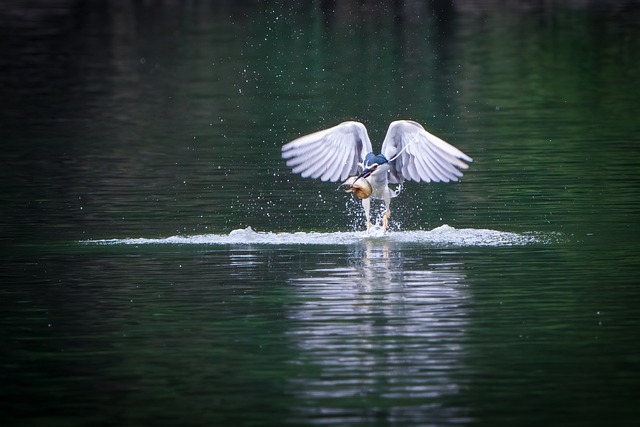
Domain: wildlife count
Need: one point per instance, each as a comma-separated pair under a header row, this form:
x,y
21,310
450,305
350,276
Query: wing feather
x,y
415,154
336,169
444,165
431,158
304,159
443,176
418,168
330,154
316,169
427,173
412,172
418,155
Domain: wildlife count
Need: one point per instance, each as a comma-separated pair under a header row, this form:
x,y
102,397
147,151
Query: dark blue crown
x,y
371,159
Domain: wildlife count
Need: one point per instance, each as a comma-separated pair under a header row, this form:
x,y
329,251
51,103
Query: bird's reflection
x,y
385,328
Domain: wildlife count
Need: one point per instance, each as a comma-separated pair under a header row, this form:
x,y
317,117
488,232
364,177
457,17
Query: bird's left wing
x,y
417,155
332,154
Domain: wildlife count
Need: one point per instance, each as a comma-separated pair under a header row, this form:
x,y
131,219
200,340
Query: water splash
x,y
444,235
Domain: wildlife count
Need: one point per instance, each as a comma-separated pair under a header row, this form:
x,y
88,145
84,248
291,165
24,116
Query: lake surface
x,y
162,266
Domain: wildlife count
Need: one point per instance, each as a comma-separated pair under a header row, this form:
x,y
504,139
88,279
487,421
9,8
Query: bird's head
x,y
372,163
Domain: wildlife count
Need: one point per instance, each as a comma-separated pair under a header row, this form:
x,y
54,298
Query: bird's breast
x,y
379,180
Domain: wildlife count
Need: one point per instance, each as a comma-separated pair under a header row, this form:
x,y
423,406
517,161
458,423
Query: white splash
x,y
444,235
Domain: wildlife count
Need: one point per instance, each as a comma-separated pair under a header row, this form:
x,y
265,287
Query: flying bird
x,y
344,152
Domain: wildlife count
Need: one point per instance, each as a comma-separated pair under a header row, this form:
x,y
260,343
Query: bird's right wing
x,y
332,154
416,155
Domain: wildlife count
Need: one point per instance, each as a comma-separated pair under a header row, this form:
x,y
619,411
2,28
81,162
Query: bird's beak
x,y
368,171
349,183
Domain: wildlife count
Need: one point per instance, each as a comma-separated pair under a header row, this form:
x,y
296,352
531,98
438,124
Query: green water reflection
x,y
136,121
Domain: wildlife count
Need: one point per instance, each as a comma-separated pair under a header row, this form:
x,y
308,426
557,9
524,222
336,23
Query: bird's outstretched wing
x,y
332,154
417,155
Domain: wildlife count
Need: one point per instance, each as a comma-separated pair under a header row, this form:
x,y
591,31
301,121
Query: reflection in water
x,y
384,328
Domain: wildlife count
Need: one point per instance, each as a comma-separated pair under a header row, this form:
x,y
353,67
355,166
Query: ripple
x,y
444,235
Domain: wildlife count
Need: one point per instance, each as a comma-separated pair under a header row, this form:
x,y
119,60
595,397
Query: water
x,y
162,266
443,235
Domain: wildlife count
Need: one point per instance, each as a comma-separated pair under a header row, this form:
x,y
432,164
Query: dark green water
x,y
140,142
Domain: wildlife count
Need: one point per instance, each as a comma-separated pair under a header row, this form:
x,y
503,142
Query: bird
x,y
344,152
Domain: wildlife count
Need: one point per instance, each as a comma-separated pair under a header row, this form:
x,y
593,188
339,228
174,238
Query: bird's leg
x,y
387,205
366,204
385,219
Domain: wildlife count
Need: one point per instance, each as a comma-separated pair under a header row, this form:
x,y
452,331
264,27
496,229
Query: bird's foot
x,y
385,220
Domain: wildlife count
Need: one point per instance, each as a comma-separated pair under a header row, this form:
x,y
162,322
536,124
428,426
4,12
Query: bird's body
x,y
344,151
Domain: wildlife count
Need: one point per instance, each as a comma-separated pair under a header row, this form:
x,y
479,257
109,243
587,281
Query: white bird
x,y
344,151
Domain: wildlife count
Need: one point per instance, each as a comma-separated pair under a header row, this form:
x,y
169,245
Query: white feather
x,y
419,155
331,154
414,154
